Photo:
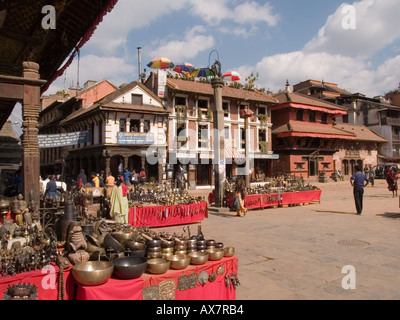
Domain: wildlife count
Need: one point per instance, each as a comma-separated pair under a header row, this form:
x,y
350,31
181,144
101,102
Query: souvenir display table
x,y
163,216
258,201
46,280
118,289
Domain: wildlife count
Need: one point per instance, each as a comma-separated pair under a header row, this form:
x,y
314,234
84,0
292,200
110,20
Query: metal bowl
x,y
122,236
167,255
168,243
210,243
180,242
201,242
180,252
219,245
154,249
168,250
135,245
154,255
111,242
179,262
136,253
158,266
216,254
198,257
92,273
180,247
130,267
192,242
229,251
156,242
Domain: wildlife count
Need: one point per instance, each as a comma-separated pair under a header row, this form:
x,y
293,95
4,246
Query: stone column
x,y
30,139
219,142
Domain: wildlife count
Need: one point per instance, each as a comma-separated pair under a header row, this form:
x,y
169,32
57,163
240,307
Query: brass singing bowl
x,y
122,236
179,262
158,266
198,258
216,254
229,251
134,245
92,273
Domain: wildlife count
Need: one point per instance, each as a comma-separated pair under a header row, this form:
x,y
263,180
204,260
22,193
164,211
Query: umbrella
x,y
161,63
186,67
231,76
202,73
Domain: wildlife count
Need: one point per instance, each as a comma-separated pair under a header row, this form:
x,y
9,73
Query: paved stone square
x,y
299,252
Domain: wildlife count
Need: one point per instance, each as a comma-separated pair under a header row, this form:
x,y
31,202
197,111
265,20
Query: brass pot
x,y
122,236
92,273
229,251
198,258
180,247
134,245
216,254
158,266
167,255
219,245
179,262
180,252
154,255
168,250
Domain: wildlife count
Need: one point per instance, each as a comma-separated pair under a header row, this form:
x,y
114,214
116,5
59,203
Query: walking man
x,y
359,181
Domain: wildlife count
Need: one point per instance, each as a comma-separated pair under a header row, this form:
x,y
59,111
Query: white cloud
x,y
92,67
188,48
129,15
252,12
377,26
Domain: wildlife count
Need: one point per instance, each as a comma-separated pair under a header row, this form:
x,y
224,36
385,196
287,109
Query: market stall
x,y
205,282
162,216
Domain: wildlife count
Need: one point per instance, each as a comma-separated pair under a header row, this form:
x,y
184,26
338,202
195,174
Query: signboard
x,y
63,139
162,83
135,138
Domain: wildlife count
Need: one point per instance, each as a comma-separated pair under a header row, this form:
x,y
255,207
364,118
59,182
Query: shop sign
x,y
135,138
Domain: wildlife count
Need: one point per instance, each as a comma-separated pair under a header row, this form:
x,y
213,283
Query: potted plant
x,y
264,147
263,119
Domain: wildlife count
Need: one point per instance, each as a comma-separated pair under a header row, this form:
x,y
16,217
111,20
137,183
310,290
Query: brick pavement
x,y
299,252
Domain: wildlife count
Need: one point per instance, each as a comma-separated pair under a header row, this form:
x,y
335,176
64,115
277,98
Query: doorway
x,y
312,167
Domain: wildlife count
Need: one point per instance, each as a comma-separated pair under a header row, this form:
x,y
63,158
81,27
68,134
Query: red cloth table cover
x,y
119,289
258,201
301,197
46,280
164,216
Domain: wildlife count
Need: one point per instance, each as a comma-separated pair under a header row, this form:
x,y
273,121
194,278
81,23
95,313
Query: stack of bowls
x,y
168,248
154,249
201,245
180,246
191,245
219,245
211,244
135,248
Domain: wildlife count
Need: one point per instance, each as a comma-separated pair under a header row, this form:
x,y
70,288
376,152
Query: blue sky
x,y
286,39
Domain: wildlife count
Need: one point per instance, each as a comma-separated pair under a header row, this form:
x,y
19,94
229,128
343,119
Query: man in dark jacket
x,y
359,181
51,188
